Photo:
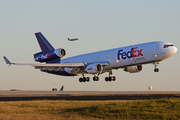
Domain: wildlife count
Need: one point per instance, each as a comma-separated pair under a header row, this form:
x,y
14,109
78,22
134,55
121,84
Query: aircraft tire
x,y
94,78
87,79
156,70
114,78
106,79
80,79
97,78
84,79
110,79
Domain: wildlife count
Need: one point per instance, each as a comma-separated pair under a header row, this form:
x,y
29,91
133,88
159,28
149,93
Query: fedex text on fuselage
x,y
134,52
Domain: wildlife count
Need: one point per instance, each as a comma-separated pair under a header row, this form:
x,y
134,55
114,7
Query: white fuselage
x,y
127,56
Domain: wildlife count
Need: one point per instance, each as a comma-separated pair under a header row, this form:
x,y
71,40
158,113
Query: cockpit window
x,y
165,46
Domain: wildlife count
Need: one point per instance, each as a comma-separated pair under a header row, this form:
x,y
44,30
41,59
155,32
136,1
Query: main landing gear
x,y
84,79
156,69
96,78
110,78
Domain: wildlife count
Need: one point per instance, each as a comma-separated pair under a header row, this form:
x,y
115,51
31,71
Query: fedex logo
x,y
45,56
130,54
90,68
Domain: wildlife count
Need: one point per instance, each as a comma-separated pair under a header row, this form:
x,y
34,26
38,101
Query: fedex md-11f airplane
x,y
130,58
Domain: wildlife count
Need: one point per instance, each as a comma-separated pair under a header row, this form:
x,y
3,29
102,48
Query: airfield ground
x,y
88,105
91,110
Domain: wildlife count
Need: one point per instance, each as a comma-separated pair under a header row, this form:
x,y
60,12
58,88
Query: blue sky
x,y
99,25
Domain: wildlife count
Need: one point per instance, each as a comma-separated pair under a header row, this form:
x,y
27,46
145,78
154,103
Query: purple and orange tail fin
x,y
43,43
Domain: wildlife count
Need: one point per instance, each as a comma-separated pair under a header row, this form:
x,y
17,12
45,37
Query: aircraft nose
x,y
175,50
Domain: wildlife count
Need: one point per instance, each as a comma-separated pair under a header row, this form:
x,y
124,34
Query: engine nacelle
x,y
48,56
133,69
60,52
94,68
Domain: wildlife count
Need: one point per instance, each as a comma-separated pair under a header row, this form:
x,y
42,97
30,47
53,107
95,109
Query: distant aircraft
x,y
130,58
62,88
73,39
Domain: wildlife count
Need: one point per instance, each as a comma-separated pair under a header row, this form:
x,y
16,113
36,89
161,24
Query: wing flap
x,y
49,68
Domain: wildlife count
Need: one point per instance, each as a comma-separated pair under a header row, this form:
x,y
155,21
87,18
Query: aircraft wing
x,y
50,66
58,67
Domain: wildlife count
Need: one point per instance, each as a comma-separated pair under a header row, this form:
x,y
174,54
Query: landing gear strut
x,y
156,69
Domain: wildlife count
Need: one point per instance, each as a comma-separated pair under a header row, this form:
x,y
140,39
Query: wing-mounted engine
x,y
133,69
48,56
94,68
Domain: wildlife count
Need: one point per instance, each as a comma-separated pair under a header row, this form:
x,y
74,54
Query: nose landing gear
x,y
156,69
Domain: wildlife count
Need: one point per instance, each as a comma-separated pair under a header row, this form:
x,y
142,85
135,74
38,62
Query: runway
x,y
86,95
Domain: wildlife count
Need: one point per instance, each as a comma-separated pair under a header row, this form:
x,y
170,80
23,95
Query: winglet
x,y
7,61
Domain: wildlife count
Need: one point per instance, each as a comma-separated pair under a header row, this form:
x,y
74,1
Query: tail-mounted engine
x,y
133,69
48,56
94,68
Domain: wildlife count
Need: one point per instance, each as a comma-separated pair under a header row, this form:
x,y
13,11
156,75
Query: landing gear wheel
x,y
87,79
106,79
110,79
80,79
95,78
156,70
84,79
114,78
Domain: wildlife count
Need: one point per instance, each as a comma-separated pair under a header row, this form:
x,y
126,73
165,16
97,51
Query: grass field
x,y
90,110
